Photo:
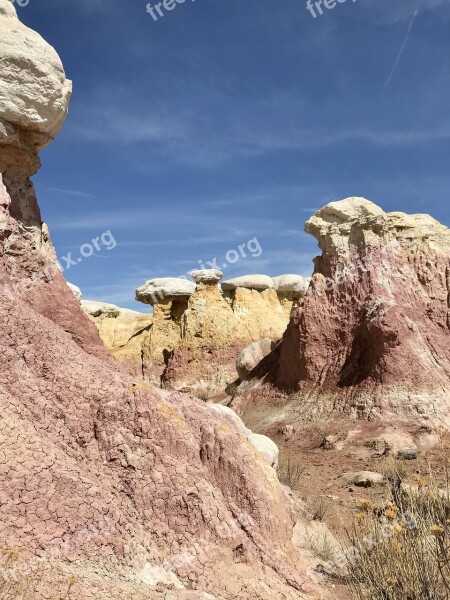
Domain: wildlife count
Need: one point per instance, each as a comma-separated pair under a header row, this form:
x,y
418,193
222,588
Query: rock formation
x,y
371,337
131,492
251,356
75,291
196,338
197,330
123,331
262,444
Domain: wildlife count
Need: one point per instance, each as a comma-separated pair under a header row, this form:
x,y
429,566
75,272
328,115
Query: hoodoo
x,y
372,335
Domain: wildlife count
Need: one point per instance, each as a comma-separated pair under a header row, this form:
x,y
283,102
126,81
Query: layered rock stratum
x,y
198,329
372,335
195,340
109,489
215,325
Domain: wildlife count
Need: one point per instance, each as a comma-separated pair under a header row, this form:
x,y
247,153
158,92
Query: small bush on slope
x,y
290,472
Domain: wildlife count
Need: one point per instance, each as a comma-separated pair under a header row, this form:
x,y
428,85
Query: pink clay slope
x,y
80,442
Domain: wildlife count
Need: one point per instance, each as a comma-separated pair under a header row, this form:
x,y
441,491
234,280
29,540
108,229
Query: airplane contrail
x,y
402,49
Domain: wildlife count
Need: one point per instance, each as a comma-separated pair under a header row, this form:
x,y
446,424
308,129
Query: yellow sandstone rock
x,y
197,330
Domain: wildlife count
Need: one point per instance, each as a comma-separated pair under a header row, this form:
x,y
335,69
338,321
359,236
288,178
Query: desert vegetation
x,y
290,472
401,550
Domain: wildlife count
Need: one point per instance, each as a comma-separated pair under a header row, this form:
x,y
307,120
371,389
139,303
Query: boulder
x,y
251,282
362,479
230,416
291,284
251,356
407,453
34,91
156,291
266,447
263,444
207,276
393,439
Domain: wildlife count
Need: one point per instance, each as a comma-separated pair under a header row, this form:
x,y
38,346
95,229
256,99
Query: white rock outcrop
x,y
34,91
155,291
251,356
362,479
231,415
95,309
251,282
291,283
206,275
333,224
264,445
75,291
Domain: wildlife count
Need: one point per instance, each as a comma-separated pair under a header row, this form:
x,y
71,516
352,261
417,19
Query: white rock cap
x,y
340,215
156,290
206,275
34,91
349,209
291,283
333,224
75,291
95,309
251,282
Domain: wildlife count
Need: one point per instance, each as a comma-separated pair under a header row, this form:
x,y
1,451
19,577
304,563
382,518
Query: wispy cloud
x,y
168,132
78,193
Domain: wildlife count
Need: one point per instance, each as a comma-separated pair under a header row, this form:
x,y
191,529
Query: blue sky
x,y
227,120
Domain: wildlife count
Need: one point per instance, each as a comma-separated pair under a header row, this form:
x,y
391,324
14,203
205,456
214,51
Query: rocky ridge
x,y
198,329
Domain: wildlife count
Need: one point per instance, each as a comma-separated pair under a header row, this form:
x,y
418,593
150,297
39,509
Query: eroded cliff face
x,y
214,329
197,330
132,492
196,339
371,337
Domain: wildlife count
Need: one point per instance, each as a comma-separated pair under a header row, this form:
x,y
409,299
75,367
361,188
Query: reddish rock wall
x,y
372,335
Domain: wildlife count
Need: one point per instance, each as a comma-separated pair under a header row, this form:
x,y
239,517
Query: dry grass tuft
x,y
15,581
393,470
320,508
203,391
401,551
290,472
